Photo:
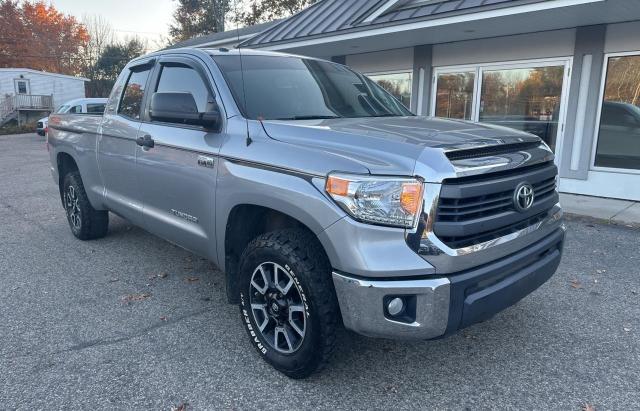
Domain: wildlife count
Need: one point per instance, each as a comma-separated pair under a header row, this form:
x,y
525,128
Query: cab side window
x,y
179,78
76,109
131,102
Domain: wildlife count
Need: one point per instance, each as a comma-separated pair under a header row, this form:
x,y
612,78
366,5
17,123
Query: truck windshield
x,y
293,88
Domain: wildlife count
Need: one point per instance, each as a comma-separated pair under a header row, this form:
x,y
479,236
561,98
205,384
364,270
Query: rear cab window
x,y
95,108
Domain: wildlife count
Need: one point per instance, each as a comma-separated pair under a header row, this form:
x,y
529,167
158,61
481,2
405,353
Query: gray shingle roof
x,y
330,16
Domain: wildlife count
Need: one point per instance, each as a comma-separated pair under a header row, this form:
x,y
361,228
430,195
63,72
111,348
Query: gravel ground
x,y
74,335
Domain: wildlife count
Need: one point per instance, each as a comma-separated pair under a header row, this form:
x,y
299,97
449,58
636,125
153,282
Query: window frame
x,y
596,133
391,72
150,66
207,79
479,69
27,86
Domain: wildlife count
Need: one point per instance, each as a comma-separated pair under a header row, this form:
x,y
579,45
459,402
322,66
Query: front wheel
x,y
287,301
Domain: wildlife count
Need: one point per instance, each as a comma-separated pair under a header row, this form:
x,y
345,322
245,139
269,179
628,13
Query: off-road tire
x,y
93,224
300,254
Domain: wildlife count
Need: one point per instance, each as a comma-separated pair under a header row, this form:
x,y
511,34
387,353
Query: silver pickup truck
x,y
322,198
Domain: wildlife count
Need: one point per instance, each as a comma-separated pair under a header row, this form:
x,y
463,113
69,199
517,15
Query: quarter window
x,y
131,102
178,78
398,84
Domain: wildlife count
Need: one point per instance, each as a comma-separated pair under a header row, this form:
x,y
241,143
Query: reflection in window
x,y
525,99
619,137
131,102
187,80
399,85
454,95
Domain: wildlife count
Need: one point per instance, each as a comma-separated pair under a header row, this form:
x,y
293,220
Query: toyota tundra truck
x,y
323,199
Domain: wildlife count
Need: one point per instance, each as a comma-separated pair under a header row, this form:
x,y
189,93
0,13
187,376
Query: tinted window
x,y
76,109
619,134
95,108
131,102
184,79
398,84
282,88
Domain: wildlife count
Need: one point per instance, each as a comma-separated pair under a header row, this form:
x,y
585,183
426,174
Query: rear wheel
x,y
86,222
287,301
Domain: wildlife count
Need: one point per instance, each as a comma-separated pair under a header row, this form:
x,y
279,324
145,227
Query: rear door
x,y
117,144
177,175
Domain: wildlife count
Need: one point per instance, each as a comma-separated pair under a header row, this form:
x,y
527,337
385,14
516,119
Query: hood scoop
x,y
491,150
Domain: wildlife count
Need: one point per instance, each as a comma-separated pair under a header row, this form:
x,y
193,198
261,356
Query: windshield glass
x,y
293,88
63,109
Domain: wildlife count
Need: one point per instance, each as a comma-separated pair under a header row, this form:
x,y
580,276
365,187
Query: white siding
x,y
559,43
63,88
623,37
382,61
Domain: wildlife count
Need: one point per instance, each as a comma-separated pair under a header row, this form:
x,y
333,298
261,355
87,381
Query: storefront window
x,y
526,99
454,95
619,134
398,84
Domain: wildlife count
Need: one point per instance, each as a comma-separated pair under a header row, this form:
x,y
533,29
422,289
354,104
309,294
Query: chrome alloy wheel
x,y
73,208
277,307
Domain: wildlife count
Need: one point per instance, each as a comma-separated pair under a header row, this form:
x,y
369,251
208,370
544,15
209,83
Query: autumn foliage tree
x,y
253,12
35,35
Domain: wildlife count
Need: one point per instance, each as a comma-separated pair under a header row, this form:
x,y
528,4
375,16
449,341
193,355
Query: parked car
x,y
322,198
619,138
77,106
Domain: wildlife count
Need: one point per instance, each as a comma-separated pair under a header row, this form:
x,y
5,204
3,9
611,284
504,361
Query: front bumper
x,y
442,305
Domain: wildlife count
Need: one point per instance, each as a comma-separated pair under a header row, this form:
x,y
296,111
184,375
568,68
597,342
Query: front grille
x,y
478,209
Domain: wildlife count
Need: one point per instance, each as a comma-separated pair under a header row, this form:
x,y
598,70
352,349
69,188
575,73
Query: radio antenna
x,y
244,92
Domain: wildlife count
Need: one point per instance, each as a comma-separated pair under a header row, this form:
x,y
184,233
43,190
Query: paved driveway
x,y
131,321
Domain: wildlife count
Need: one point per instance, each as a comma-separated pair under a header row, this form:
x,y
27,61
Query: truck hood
x,y
391,145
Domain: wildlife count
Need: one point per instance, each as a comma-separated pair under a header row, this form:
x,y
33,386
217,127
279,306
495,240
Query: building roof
x,y
44,73
326,17
228,36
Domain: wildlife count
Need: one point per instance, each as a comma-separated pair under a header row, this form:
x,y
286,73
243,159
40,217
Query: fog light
x,y
395,306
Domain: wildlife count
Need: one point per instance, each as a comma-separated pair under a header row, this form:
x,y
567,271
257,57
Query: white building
x,y
26,95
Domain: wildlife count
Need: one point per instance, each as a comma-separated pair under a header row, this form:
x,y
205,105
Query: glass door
x,y
454,94
528,96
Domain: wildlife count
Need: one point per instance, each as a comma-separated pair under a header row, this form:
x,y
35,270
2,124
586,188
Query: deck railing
x,y
12,104
32,102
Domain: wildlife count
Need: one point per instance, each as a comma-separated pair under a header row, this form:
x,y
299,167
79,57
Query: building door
x,y
22,86
528,96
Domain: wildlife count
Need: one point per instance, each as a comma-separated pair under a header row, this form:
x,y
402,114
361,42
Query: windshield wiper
x,y
322,117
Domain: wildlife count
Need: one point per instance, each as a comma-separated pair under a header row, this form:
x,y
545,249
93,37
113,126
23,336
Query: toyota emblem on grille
x,y
523,197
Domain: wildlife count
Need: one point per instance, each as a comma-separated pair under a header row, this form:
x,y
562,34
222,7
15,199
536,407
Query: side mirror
x,y
181,108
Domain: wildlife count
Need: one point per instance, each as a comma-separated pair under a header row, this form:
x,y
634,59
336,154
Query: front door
x,y
117,147
178,174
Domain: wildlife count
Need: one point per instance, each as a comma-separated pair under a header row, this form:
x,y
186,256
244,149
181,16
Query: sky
x,y
147,19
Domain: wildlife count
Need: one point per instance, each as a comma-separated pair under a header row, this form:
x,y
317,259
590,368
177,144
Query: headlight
x,y
378,200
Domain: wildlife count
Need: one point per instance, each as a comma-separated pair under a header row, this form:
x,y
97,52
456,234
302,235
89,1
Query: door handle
x,y
145,141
